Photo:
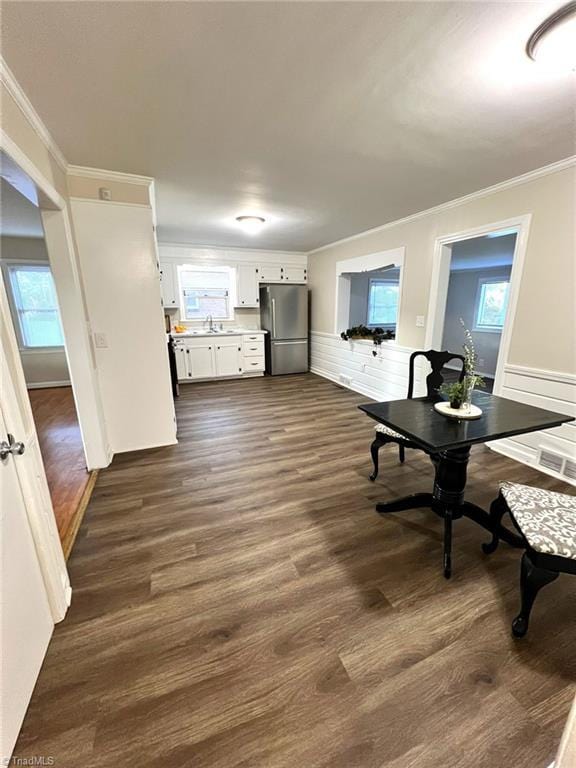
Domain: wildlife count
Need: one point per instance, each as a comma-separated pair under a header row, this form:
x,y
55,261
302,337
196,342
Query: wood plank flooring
x,y
239,604
63,455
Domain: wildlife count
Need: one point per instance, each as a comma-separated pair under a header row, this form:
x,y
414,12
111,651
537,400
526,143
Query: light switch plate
x,y
420,321
100,341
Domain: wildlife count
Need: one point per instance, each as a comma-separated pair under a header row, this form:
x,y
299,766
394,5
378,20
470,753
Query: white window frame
x,y
8,266
230,271
487,281
384,326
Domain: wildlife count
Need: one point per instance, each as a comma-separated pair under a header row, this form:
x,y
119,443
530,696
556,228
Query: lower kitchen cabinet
x,y
229,357
219,356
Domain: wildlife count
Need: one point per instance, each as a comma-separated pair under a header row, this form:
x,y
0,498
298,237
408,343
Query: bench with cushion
x,y
546,521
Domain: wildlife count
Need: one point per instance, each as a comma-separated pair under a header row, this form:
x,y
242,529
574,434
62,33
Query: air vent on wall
x,y
346,380
551,461
570,469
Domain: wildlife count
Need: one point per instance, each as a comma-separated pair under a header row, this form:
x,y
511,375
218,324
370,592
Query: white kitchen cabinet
x,y
201,363
169,286
228,356
247,286
180,351
269,273
295,274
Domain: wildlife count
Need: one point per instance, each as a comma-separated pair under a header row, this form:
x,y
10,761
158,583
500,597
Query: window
x,y
491,303
205,291
383,303
35,305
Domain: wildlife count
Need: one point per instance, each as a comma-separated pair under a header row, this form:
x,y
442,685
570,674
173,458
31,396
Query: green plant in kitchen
x,y
459,393
378,335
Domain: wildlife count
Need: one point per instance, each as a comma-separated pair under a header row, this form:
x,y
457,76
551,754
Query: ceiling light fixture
x,y
251,224
553,42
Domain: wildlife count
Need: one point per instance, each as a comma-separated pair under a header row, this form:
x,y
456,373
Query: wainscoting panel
x,y
352,364
553,391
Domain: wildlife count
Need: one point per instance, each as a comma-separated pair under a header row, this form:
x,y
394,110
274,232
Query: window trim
x,y
9,265
230,271
386,326
481,282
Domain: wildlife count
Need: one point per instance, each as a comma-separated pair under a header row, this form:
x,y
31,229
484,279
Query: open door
x,y
34,586
25,616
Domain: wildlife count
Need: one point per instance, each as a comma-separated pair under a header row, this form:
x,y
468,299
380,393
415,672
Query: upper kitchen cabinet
x,y
169,286
247,286
295,274
270,273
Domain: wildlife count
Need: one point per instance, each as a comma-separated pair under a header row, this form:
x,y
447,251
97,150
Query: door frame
x,y
82,368
441,276
80,354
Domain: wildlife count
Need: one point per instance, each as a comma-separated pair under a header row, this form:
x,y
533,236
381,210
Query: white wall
x,y
117,254
229,257
42,368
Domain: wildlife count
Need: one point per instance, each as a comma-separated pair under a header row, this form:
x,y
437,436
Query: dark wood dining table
x,y
448,441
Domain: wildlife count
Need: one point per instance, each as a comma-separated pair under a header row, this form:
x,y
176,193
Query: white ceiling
x,y
328,118
18,216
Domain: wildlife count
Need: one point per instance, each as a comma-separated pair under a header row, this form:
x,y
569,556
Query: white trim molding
x,y
48,384
104,175
525,178
17,92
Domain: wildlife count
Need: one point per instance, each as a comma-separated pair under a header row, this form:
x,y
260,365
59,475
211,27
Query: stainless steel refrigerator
x,y
284,314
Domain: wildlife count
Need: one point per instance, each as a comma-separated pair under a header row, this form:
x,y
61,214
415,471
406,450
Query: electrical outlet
x,y
420,321
100,341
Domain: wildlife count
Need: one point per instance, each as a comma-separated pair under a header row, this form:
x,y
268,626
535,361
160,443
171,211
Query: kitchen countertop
x,y
225,332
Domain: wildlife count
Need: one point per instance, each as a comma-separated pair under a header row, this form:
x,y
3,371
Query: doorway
x,y
35,314
477,297
493,308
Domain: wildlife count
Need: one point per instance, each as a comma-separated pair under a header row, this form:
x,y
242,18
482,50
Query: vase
x,y
469,382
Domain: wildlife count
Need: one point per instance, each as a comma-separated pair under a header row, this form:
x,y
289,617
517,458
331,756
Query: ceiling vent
x,y
551,461
570,469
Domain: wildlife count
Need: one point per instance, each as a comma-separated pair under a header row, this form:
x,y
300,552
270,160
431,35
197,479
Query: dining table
x,y
448,441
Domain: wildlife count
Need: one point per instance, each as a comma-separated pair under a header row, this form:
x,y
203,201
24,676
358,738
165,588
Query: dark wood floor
x,y
62,452
239,603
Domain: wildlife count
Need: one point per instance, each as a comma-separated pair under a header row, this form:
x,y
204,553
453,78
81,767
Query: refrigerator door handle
x,y
279,343
274,317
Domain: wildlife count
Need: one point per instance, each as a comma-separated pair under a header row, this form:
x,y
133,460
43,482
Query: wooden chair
x,y
434,381
546,521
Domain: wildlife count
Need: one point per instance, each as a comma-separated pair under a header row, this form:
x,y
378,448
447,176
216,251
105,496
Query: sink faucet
x,y
210,321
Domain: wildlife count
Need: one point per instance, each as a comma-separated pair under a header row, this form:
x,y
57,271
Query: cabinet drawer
x,y
253,364
253,348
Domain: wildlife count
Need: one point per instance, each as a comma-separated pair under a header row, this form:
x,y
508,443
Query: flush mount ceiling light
x,y
251,224
553,43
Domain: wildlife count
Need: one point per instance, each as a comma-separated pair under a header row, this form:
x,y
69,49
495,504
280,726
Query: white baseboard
x,y
48,384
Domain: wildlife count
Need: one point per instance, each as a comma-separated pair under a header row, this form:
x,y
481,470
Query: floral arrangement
x,y
378,335
459,392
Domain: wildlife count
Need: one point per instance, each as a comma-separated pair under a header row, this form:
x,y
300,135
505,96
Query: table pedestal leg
x,y
447,501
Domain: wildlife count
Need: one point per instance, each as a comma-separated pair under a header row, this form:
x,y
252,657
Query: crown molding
x,y
103,175
15,90
545,170
226,248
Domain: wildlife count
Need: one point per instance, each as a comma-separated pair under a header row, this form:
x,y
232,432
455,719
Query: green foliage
x,y
378,335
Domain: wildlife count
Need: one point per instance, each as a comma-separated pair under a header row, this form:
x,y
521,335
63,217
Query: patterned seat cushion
x,y
384,430
546,518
